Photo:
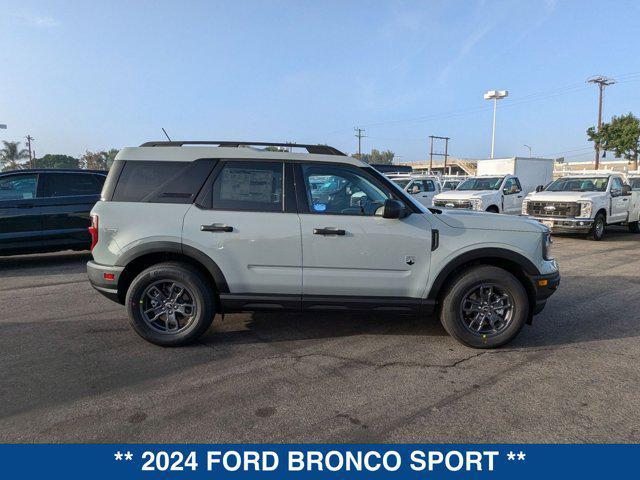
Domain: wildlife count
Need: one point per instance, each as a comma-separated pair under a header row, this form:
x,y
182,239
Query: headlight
x,y
585,209
524,207
476,203
546,246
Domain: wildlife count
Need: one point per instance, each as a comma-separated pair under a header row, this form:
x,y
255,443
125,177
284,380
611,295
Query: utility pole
x,y
29,140
360,137
432,153
602,82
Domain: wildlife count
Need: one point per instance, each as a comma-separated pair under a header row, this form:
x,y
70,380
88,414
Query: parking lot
x,y
73,371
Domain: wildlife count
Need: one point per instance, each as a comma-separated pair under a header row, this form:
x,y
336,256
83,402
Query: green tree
x,y
621,136
377,157
98,160
271,148
57,161
11,156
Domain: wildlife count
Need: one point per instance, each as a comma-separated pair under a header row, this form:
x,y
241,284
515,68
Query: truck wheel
x,y
597,230
485,307
170,304
634,227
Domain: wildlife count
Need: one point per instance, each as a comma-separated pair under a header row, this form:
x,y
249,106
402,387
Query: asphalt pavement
x,y
71,369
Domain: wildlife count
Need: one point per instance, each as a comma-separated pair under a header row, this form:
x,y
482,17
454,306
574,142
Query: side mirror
x,y
539,188
626,190
393,209
505,191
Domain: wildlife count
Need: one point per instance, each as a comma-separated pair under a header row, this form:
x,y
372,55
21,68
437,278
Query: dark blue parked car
x,y
45,210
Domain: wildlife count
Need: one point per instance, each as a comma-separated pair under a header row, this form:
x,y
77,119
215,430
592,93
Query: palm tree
x,y
11,155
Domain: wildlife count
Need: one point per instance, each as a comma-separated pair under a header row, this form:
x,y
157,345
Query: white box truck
x,y
499,186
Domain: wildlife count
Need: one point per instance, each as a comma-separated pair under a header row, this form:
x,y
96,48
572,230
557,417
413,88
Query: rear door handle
x,y
328,231
26,206
216,227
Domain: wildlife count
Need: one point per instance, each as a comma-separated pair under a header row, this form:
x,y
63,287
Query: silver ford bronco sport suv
x,y
188,230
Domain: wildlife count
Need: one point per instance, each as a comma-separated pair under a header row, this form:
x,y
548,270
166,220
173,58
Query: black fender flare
x,y
490,253
166,246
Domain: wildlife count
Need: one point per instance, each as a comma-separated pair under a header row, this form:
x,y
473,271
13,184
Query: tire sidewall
x,y
451,317
202,298
594,231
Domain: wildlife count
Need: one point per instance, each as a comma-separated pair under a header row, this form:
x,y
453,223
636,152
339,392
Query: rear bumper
x,y
104,279
545,286
566,225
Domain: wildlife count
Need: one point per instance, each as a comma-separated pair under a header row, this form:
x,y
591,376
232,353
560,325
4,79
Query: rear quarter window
x,y
72,184
157,181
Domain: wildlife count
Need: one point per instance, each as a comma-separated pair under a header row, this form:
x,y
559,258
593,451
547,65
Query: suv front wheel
x,y
485,307
170,304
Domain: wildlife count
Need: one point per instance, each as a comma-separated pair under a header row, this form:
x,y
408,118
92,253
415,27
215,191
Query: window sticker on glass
x,y
319,207
247,185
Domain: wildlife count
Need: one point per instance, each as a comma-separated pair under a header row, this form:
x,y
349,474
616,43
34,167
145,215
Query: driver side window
x,y
511,186
616,186
341,190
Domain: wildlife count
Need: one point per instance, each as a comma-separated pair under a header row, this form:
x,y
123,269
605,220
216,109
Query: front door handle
x,y
328,231
216,227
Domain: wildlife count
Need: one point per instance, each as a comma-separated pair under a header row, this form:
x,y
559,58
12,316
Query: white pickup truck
x,y
500,186
421,187
586,203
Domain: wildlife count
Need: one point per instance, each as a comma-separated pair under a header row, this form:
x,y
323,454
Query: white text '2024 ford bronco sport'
x,y
184,232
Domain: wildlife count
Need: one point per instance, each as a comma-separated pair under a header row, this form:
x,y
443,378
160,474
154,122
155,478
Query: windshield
x,y
403,182
635,183
481,183
451,184
579,184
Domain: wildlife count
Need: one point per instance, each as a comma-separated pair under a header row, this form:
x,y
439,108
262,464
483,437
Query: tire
x,y
169,278
493,209
634,227
597,230
456,300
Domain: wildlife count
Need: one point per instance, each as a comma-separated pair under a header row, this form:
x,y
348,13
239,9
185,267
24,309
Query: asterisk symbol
x,y
118,455
511,456
128,455
521,455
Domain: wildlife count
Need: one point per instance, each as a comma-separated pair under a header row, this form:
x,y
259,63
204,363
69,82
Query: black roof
x,y
54,170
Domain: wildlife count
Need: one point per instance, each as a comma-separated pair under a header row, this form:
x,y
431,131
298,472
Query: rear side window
x,y
71,184
18,187
161,182
249,186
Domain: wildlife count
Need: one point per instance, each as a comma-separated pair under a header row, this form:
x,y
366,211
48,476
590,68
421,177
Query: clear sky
x,y
94,75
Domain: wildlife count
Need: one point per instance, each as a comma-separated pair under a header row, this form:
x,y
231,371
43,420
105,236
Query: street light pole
x,y
494,95
530,155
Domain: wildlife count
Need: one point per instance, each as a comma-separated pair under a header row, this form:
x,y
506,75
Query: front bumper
x,y
104,279
566,225
544,286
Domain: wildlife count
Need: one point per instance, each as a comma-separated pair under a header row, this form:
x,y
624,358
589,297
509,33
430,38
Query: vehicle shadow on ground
x,y
44,264
286,327
576,314
612,234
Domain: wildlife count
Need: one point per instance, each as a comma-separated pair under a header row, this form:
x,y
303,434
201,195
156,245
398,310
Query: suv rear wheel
x,y
485,307
170,304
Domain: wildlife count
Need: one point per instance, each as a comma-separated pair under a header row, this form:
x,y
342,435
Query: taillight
x,y
93,231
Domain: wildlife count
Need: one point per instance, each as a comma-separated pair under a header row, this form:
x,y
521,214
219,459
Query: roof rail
x,y
317,149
